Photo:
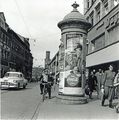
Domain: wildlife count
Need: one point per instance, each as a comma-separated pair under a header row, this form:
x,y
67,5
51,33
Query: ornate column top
x,y
75,5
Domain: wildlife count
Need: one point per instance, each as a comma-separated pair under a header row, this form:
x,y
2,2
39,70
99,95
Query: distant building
x,y
15,51
47,59
4,45
36,73
53,64
103,37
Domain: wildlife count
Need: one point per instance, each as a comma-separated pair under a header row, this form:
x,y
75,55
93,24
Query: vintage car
x,y
13,80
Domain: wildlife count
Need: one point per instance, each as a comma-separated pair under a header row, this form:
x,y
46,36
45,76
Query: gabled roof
x,y
2,15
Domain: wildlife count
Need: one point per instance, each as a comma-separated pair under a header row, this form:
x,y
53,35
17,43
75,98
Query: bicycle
x,y
45,90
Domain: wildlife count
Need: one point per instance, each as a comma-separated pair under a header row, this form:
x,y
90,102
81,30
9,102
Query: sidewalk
x,y
53,109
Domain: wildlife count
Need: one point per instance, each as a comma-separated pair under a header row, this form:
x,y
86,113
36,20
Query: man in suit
x,y
116,80
107,83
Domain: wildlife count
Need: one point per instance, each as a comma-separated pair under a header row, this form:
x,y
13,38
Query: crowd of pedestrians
x,y
105,83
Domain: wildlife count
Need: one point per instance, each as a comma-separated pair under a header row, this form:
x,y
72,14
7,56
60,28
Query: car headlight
x,y
15,81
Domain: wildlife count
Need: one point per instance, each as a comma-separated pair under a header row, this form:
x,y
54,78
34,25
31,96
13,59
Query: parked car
x,y
13,80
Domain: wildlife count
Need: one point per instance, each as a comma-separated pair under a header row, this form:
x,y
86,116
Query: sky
x,y
37,20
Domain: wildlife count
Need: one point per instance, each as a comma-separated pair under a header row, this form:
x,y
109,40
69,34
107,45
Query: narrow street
x,y
20,104
26,104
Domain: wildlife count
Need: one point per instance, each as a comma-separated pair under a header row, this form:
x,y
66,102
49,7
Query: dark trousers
x,y
41,87
48,89
108,94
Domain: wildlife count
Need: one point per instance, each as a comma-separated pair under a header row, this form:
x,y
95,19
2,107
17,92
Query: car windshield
x,y
12,75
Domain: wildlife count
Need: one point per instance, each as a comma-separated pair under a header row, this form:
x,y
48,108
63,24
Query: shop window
x,y
92,2
87,19
4,54
87,46
97,12
99,42
4,38
88,4
1,36
106,6
92,18
92,46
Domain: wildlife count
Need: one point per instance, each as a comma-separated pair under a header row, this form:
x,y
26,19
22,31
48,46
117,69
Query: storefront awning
x,y
108,54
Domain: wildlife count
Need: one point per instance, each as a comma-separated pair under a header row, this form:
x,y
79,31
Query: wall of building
x,y
103,37
15,53
4,41
95,10
54,65
47,59
104,33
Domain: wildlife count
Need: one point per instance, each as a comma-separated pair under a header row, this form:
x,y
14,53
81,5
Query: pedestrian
x,y
99,76
116,84
117,108
45,79
116,80
107,83
91,83
51,81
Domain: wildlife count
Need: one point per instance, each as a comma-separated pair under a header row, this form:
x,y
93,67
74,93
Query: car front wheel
x,y
24,86
18,85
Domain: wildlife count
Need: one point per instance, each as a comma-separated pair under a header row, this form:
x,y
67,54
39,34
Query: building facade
x,y
47,59
4,45
54,65
103,37
15,52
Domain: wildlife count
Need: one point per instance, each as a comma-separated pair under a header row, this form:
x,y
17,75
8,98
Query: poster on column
x,y
73,60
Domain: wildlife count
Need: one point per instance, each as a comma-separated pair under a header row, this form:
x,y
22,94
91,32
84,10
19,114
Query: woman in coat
x,y
92,81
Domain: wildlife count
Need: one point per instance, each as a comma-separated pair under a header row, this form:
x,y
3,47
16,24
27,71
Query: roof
x,y
22,38
2,15
74,17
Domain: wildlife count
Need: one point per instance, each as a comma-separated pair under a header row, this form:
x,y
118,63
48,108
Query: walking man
x,y
107,83
116,80
116,84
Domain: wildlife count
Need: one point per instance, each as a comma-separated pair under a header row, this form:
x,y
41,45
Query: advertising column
x,y
73,61
74,28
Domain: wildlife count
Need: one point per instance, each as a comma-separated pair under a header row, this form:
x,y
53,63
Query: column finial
x,y
75,5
